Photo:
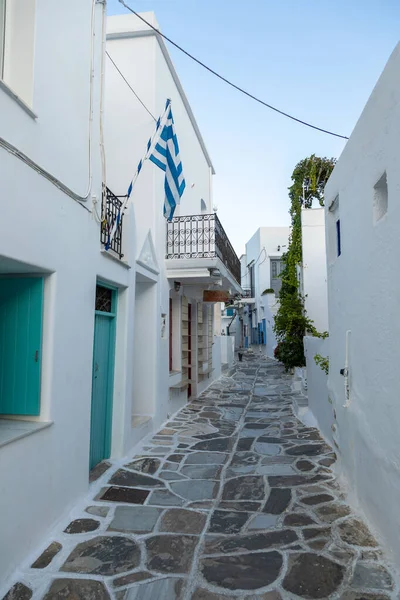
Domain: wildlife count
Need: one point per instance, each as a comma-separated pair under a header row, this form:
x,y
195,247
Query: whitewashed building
x,y
85,344
177,353
362,224
313,276
261,283
50,262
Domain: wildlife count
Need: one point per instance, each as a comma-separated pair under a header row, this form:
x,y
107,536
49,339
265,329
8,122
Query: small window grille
x,y
103,299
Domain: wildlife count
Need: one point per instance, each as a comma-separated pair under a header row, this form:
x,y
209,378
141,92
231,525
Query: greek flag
x,y
163,150
166,156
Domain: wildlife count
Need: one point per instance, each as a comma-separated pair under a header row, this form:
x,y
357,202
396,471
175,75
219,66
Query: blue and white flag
x,y
163,150
166,156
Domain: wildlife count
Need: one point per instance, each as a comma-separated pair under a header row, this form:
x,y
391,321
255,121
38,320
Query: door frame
x,y
190,351
111,366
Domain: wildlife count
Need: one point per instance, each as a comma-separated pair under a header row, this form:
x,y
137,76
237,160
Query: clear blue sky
x,y
316,59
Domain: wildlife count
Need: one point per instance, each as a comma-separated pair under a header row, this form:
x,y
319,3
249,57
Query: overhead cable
x,y
236,87
130,87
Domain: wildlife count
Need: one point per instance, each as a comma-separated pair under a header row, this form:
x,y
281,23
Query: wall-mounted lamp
x,y
177,286
214,272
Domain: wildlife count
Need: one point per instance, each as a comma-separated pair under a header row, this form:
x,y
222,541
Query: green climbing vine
x,y
291,321
323,362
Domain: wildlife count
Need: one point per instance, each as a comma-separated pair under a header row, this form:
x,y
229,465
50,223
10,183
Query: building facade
x,y
362,224
97,347
50,262
175,262
261,283
313,276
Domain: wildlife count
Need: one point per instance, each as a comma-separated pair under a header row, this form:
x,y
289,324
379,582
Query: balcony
x,y
110,208
202,242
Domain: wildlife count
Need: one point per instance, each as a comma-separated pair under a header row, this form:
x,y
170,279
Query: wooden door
x,y
21,315
103,375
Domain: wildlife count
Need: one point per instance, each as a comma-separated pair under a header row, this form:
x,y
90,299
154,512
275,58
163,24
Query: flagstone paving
x,y
233,499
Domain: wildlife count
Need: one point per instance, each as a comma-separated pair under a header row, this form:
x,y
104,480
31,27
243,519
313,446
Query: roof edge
x,y
164,50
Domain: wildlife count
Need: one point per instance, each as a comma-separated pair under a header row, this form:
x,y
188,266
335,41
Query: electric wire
x,y
130,87
227,81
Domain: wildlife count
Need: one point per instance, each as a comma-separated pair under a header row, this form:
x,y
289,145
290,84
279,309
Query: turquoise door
x,y
21,314
103,374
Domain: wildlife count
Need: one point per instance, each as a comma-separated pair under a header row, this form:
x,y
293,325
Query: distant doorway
x,y
103,373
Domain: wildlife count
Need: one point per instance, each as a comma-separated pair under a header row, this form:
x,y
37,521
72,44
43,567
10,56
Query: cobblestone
x,y
234,498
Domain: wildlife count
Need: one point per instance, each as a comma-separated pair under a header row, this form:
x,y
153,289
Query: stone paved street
x,y
233,498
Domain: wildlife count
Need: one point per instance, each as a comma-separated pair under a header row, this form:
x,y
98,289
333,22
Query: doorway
x,y
103,373
147,349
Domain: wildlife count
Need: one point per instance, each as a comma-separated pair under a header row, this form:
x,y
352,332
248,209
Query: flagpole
x,y
149,150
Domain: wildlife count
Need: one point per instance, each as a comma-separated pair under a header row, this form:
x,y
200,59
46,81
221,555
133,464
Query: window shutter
x,y
21,316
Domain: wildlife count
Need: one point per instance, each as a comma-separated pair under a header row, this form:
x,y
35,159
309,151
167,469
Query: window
x,y
338,238
380,198
104,298
17,46
21,315
2,34
276,268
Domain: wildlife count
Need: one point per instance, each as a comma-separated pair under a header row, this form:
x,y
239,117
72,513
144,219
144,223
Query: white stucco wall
x,y
227,349
261,248
50,233
146,65
314,266
364,294
271,238
270,307
319,402
244,272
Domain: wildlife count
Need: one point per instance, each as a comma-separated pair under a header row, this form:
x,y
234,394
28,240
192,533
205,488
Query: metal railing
x,y
111,206
201,236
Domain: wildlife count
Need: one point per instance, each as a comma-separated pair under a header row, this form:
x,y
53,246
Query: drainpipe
x,y
345,372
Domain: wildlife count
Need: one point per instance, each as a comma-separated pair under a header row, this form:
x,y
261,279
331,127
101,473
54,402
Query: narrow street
x,y
233,498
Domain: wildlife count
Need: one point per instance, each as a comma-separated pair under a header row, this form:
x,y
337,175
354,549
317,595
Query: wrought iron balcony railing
x,y
201,236
110,208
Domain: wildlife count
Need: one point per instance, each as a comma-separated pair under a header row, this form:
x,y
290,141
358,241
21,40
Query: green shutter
x,y
21,315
